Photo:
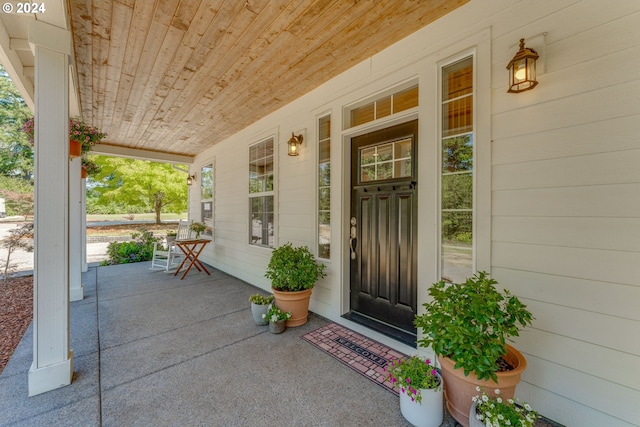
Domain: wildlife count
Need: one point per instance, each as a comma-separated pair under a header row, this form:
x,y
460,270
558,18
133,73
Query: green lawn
x,y
137,217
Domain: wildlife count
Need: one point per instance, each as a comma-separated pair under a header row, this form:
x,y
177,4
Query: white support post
x,y
83,227
76,290
52,365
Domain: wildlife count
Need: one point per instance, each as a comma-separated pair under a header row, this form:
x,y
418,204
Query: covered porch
x,y
150,349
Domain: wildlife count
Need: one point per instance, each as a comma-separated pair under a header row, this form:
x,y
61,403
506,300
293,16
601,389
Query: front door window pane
x,y
386,161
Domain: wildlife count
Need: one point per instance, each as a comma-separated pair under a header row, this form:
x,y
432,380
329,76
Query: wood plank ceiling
x,y
177,76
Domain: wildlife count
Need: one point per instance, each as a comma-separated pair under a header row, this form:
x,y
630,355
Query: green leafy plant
x,y
412,374
19,238
261,299
495,412
470,323
293,269
274,314
141,249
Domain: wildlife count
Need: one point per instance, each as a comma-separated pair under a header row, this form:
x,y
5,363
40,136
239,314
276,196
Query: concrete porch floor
x,y
150,349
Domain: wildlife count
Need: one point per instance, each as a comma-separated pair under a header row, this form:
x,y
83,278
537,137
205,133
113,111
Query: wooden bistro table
x,y
191,249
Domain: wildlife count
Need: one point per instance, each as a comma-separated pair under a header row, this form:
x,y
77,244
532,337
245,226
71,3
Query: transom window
x,y
384,106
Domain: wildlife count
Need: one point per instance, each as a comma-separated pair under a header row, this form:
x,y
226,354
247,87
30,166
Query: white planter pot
x,y
428,413
257,310
473,421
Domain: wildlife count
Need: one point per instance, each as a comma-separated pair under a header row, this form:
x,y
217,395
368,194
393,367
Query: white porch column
x,y
76,290
83,226
52,365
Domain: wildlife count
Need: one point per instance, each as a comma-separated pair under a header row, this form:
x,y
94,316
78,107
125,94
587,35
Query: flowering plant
x,y
197,227
274,314
494,412
412,374
87,135
90,166
28,127
261,299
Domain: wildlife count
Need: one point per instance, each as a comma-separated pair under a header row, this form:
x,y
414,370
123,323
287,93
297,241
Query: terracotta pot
x,y
83,174
75,148
295,302
460,389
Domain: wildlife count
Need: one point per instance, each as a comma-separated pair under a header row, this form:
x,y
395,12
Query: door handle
x,y
353,241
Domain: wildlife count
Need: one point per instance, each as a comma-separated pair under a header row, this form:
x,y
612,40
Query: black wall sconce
x,y
190,179
294,142
522,69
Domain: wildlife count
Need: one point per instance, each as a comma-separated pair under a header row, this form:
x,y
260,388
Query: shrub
x,y
141,249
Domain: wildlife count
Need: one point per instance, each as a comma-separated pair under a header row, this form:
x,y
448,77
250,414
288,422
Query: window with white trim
x,y
261,194
206,198
396,101
457,183
324,187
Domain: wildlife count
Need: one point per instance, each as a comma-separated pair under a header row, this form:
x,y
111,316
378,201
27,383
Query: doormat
x,y
364,355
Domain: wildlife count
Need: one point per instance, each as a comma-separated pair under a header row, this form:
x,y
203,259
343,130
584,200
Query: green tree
x,y
136,185
16,154
18,194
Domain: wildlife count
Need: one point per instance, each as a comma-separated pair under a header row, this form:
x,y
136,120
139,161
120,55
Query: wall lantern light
x,y
522,69
190,179
294,141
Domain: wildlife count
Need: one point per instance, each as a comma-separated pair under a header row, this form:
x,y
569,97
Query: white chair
x,y
167,256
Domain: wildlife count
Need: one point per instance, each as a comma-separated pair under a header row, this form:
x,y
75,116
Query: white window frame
x,y
271,193
481,246
211,200
318,186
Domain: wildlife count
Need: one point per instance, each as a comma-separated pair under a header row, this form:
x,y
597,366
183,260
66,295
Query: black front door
x,y
383,225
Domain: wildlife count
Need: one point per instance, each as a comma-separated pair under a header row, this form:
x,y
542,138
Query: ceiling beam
x,y
12,63
135,153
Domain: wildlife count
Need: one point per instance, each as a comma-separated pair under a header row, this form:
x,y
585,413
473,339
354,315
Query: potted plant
x,y
197,227
467,325
82,137
259,307
293,272
86,135
496,411
277,319
420,387
171,236
89,167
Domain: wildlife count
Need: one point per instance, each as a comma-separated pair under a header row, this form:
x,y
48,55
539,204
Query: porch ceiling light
x,y
294,141
190,179
522,69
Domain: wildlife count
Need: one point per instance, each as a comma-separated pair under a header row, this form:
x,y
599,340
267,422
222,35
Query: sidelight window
x,y
324,187
457,169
